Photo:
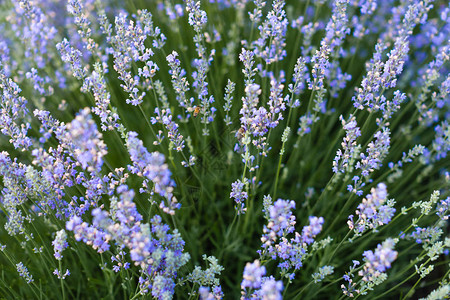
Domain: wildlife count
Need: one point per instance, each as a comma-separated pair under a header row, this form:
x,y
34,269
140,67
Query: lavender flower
x,y
367,6
249,71
73,57
443,209
376,263
97,84
430,77
305,123
260,121
277,104
370,83
343,161
372,212
390,107
239,195
336,28
381,76
376,151
256,15
320,68
252,277
12,172
249,104
179,82
23,272
313,229
198,19
205,293
229,89
129,46
151,166
256,121
32,26
270,289
281,220
373,271
274,240
273,29
21,183
13,111
426,235
164,116
166,259
394,65
60,243
88,234
61,276
158,253
297,78
55,161
88,147
351,287
440,144
75,8
39,83
121,262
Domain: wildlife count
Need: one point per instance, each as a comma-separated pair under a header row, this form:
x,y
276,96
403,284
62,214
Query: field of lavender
x,y
224,149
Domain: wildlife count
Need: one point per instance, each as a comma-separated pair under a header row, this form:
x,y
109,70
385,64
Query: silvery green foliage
x,y
207,277
439,293
323,272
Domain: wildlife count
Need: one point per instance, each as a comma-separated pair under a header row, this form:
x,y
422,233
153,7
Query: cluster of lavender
x,y
275,242
372,212
152,168
256,285
129,131
373,272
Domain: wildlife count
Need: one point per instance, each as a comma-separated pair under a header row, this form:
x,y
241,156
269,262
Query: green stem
x,y
278,171
413,287
61,280
303,289
344,208
340,244
285,289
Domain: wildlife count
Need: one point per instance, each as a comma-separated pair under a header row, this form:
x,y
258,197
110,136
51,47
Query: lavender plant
x,y
224,149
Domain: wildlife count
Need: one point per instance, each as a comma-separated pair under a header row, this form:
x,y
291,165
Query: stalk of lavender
x,y
198,19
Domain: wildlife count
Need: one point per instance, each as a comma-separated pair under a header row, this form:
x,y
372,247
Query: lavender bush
x,y
228,149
